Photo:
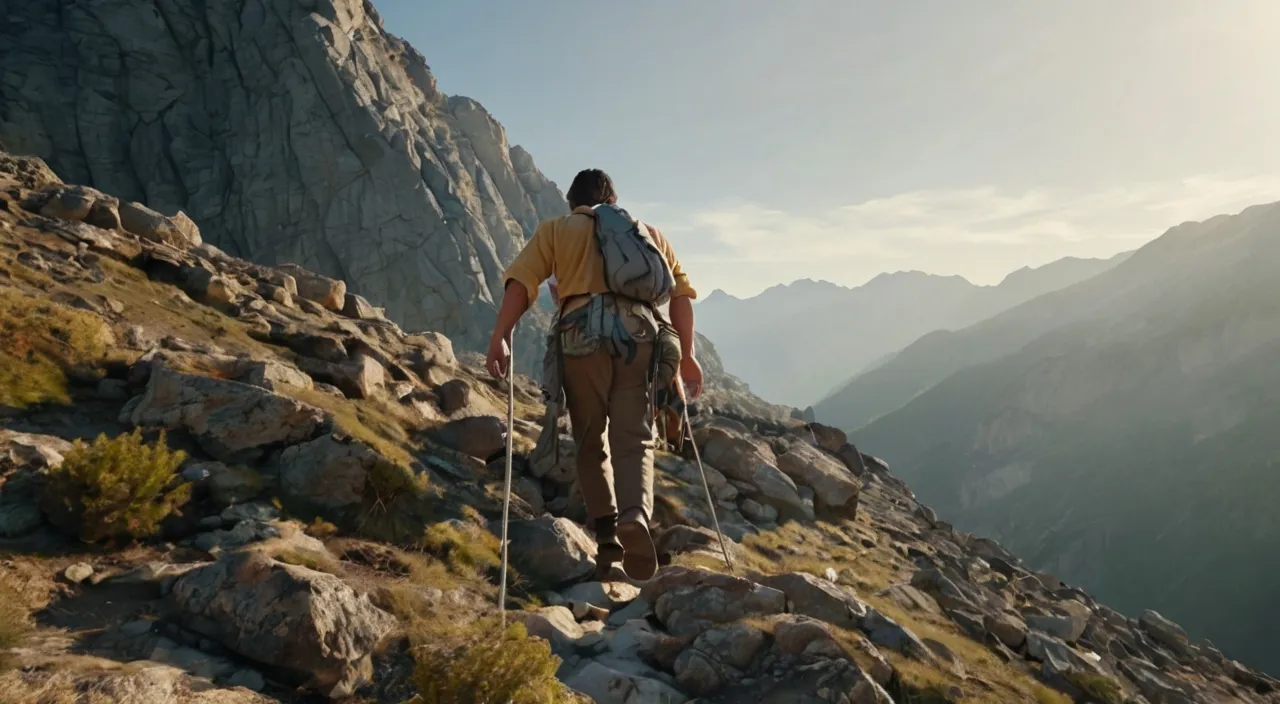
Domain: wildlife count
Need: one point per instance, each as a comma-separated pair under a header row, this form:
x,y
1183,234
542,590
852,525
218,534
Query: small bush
x,y
115,487
476,666
15,621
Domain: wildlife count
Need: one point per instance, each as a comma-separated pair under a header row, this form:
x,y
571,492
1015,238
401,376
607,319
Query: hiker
x,y
609,349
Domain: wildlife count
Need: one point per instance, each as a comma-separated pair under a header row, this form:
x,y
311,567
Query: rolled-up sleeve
x,y
533,265
682,286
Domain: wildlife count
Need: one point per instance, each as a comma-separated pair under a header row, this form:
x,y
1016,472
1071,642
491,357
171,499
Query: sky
x,y
838,139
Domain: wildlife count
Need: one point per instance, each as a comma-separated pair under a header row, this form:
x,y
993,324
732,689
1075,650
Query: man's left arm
x,y
682,295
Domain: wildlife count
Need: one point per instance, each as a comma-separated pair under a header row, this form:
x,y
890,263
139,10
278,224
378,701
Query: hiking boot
x,y
640,558
608,549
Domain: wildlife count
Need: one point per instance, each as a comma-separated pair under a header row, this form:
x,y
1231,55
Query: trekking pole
x,y
506,490
706,486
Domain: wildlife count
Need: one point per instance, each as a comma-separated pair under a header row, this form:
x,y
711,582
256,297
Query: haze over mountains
x,y
1119,433
794,343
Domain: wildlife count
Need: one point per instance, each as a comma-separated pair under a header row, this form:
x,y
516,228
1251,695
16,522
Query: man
x,y
606,392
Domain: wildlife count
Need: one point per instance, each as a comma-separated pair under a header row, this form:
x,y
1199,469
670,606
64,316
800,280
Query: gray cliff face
x,y
290,131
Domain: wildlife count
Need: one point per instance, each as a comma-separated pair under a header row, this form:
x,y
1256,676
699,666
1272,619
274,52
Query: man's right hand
x,y
691,375
498,358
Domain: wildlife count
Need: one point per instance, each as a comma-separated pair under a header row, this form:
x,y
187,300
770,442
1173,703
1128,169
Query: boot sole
x,y
640,558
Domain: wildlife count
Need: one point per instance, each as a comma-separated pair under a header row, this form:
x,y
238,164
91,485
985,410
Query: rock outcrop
x,y
288,131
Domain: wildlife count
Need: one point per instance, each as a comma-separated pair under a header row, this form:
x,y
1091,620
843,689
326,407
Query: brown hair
x,y
591,187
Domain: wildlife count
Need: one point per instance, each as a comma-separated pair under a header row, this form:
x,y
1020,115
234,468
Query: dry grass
x,y
1010,684
42,343
15,620
382,426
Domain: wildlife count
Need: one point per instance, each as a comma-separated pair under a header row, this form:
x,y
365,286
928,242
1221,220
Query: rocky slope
x,y
339,526
289,131
821,334
1120,432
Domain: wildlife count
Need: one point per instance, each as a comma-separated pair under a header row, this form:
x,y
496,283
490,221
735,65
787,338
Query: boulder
x,y
359,377
607,595
689,601
330,293
716,656
1065,620
801,635
752,462
231,421
609,686
1059,656
888,633
355,306
329,472
834,487
826,437
551,550
554,624
286,616
270,374
148,224
1165,632
818,598
683,540
453,396
1006,629
477,436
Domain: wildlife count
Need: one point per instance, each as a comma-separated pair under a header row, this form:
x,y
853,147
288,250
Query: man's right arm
x,y
521,281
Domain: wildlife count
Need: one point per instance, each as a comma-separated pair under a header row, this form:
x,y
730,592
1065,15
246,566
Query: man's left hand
x,y
691,375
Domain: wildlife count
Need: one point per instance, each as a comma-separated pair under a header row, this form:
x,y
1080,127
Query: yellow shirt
x,y
566,248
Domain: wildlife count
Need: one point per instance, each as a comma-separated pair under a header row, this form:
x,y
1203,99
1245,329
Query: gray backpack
x,y
634,267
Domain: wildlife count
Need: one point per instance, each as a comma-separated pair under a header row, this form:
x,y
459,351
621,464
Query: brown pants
x,y
609,399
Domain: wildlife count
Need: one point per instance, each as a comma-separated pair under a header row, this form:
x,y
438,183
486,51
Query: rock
x,y
477,436
608,595
947,593
454,395
359,377
552,550
681,540
888,633
530,490
1066,620
230,420
68,202
818,598
285,616
328,472
1165,632
275,294
826,437
1008,630
249,679
270,374
78,572
1058,655
835,488
717,656
757,512
799,635
148,224
113,390
554,624
233,485
608,686
355,306
31,450
751,461
330,293
911,598
689,601
19,519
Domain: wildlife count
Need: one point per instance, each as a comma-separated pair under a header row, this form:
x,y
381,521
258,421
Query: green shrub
x,y
477,666
115,487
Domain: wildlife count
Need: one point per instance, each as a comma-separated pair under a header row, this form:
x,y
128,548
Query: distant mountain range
x,y
794,343
1120,433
